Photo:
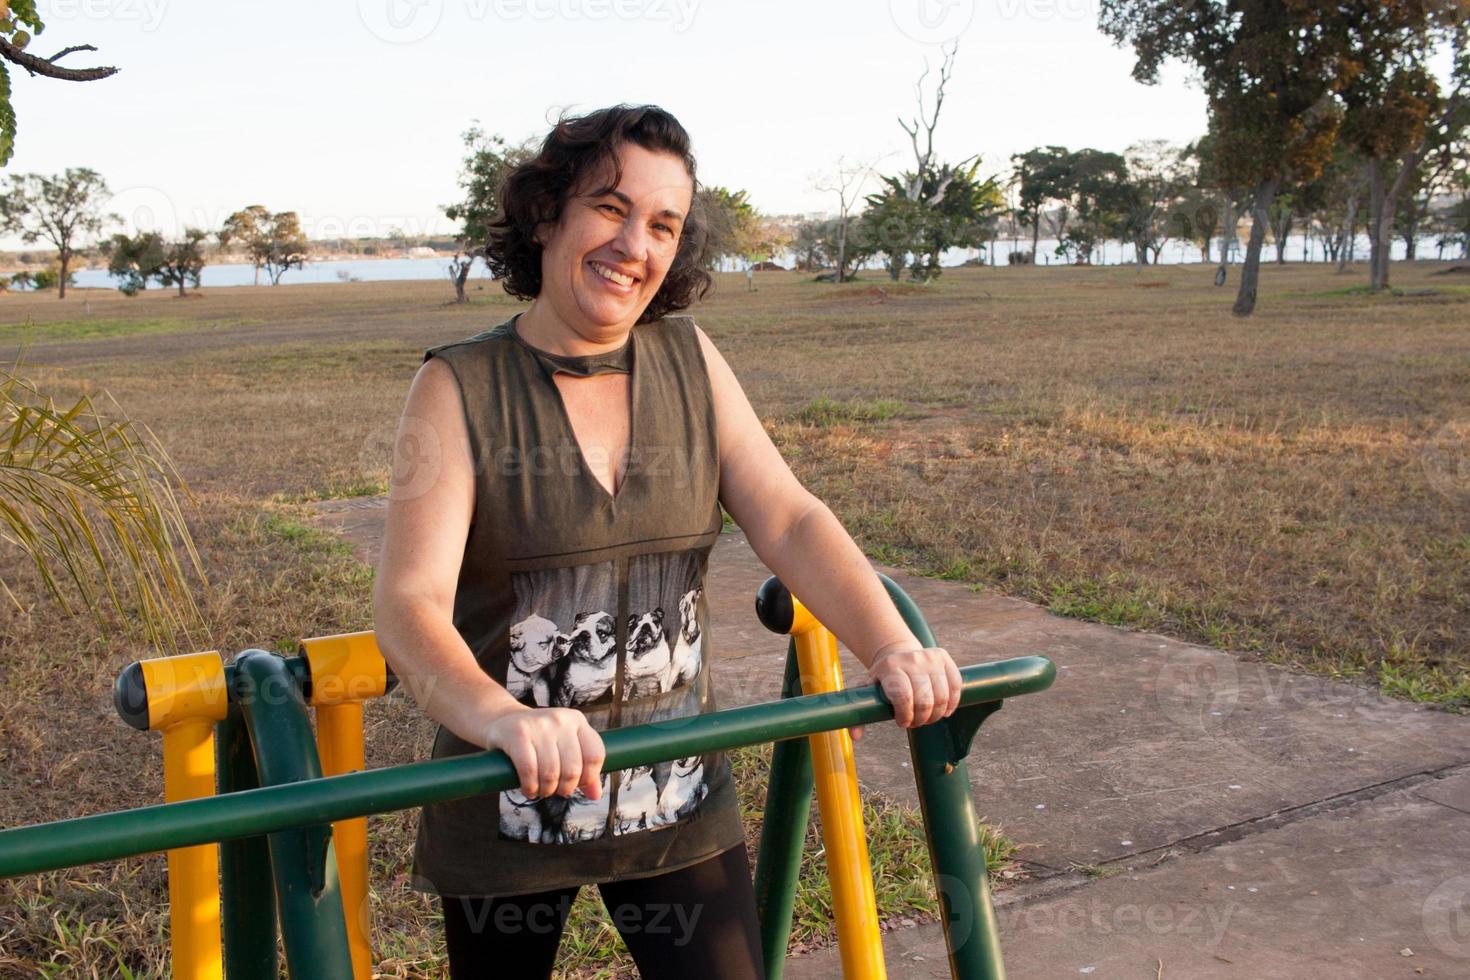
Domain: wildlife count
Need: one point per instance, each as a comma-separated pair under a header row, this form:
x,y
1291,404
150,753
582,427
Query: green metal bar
x,y
313,929
108,836
953,834
247,893
783,831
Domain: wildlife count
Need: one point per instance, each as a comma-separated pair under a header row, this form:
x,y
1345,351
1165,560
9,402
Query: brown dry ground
x,y
1295,486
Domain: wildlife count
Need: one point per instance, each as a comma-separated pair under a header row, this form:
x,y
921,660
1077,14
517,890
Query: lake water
x,y
365,270
381,270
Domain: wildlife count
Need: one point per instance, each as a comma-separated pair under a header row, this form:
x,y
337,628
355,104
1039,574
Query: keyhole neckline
x,y
618,361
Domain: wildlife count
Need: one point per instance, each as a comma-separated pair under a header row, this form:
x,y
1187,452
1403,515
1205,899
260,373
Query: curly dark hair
x,y
536,190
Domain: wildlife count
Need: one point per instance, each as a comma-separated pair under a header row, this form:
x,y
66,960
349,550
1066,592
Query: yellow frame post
x,y
854,903
185,696
346,670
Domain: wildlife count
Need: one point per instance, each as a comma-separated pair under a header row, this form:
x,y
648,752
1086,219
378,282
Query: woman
x,y
543,568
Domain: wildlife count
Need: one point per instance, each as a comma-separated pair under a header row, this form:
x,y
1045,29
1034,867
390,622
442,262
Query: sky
x,y
351,112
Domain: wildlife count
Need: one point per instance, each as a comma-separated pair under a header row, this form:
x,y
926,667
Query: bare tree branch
x,y
45,66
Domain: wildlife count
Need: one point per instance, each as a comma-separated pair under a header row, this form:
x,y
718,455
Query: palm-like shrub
x,y
93,501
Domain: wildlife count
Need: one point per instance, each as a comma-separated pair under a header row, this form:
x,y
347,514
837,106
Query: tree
x,y
1396,111
15,17
734,224
274,241
183,261
809,249
1155,177
134,259
846,182
59,209
286,246
1270,70
1094,195
893,225
1043,174
487,162
248,228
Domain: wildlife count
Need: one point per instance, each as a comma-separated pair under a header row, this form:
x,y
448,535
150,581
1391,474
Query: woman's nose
x,y
632,241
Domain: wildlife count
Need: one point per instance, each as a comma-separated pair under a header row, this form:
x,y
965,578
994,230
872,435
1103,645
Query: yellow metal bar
x,y
340,744
185,697
854,904
193,872
345,671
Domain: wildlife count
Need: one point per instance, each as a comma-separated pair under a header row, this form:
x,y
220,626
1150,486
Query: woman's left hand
x,y
922,684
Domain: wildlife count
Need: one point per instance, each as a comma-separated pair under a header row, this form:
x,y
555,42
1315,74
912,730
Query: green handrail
x,y
109,836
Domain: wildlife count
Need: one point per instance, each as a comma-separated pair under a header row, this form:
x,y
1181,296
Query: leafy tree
x,y
183,261
893,225
1396,111
15,17
1156,175
809,244
733,222
250,229
50,278
1094,194
274,241
134,259
1044,175
488,160
1270,70
59,209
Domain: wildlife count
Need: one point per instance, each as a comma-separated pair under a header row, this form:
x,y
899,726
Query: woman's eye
x,y
665,228
611,207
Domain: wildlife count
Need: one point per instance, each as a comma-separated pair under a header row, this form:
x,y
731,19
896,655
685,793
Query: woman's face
x,y
606,258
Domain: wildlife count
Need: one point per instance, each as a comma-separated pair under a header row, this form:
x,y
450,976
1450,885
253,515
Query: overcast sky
x,y
350,112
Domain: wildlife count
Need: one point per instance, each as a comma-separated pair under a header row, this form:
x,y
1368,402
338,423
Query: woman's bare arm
x,y
431,503
798,537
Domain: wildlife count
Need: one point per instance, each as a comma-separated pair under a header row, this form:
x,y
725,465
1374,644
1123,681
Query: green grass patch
x,y
92,329
335,491
1106,601
826,411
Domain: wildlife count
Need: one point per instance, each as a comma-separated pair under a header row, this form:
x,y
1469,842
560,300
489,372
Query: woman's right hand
x,y
554,750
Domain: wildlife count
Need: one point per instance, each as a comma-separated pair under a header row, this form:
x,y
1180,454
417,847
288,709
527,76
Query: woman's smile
x,y
619,281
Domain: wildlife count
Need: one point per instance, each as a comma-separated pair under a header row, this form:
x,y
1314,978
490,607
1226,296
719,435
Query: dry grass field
x,y
1108,442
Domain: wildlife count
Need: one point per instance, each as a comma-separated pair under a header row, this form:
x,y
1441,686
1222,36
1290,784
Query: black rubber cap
x,y
390,681
130,696
773,606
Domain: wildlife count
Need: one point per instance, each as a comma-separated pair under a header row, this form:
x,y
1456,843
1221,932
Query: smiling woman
x,y
543,568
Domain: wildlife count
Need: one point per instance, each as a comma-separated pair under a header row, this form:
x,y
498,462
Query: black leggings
x,y
696,921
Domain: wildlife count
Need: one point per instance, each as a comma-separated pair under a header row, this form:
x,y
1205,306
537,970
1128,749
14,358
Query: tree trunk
x,y
460,275
1386,198
181,286
1349,233
1281,232
841,248
65,254
1035,235
1377,239
1227,232
1250,272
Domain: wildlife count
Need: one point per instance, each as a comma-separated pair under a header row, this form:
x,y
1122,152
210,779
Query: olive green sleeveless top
x,y
571,596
